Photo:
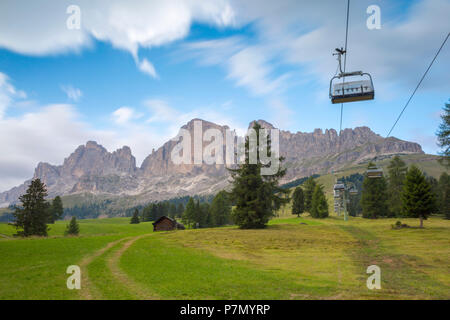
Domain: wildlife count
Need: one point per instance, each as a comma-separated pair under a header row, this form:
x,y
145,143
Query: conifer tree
x,y
220,209
189,212
32,216
397,172
374,197
72,228
310,186
444,195
56,210
319,204
298,204
443,135
180,209
418,199
256,196
135,217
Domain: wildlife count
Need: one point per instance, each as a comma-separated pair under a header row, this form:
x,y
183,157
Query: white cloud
x,y
39,27
250,68
148,68
8,93
72,93
124,115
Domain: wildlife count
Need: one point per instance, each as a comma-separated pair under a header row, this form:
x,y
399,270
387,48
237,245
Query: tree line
x,y
406,192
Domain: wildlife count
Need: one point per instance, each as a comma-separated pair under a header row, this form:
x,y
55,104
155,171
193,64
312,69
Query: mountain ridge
x,y
92,168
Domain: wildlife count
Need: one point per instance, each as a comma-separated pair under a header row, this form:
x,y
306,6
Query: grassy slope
x,y
325,259
288,260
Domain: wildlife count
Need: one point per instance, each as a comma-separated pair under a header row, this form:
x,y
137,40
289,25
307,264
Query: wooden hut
x,y
167,224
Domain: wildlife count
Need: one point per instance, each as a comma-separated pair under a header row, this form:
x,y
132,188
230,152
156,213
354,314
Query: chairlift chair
x,y
374,172
353,191
350,91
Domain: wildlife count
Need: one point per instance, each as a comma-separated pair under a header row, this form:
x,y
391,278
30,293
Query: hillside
x,y
293,259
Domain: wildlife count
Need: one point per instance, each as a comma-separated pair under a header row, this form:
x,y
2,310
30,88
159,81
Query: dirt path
x,y
88,291
113,264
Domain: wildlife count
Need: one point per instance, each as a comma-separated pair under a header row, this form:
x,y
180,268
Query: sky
x,y
135,71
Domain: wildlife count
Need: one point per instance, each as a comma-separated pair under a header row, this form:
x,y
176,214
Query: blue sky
x,y
136,71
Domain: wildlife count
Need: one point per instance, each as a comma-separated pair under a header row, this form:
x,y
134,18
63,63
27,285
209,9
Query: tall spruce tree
x,y
32,215
418,199
56,210
180,209
298,204
256,196
189,212
135,217
374,197
434,185
310,186
319,204
220,209
444,195
397,172
72,228
443,135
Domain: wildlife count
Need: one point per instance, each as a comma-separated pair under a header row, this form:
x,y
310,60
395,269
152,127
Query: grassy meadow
x,y
294,258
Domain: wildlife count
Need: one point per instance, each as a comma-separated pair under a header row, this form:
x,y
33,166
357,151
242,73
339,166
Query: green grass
x,y
293,258
90,227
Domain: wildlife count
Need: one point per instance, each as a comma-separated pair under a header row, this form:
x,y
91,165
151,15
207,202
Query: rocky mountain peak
x,y
264,124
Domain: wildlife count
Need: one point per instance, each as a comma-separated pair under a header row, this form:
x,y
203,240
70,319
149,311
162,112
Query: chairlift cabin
x,y
374,172
350,91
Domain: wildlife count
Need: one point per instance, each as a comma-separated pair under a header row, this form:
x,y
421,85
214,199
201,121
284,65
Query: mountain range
x,y
94,170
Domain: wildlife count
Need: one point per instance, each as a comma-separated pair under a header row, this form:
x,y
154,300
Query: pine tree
x,y
374,197
135,217
32,216
205,219
310,186
220,209
397,173
418,199
256,196
319,204
189,212
444,195
443,135
56,210
72,228
180,209
298,205
434,185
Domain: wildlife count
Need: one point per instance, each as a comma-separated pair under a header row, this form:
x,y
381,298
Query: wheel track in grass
x,y
88,289
135,288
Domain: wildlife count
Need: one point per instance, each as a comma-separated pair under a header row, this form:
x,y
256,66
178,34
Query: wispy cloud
x,y
72,93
